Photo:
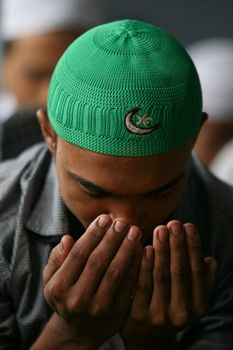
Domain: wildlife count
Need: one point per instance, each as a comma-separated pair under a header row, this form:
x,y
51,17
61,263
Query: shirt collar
x,y
49,215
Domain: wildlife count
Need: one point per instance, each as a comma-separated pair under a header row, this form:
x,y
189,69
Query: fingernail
x,y
119,226
148,252
190,230
162,234
134,233
176,229
103,221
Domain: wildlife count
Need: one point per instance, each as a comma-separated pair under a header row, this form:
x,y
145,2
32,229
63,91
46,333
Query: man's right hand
x,y
89,283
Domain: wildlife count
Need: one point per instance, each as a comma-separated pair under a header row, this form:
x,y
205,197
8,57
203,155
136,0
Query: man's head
x,y
29,63
35,35
124,108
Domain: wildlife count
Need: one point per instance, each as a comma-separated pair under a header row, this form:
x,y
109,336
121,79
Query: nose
x,y
131,210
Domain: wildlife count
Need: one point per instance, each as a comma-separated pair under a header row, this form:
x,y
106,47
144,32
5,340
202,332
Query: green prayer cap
x,y
125,88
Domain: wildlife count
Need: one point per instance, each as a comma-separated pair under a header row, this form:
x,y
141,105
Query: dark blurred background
x,y
188,20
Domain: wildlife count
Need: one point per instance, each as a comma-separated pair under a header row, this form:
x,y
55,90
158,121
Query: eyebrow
x,y
101,191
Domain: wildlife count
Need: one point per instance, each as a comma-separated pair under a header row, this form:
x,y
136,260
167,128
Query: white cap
x,y
213,59
27,17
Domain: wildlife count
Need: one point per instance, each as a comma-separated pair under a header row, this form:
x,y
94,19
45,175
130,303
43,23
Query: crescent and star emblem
x,y
141,125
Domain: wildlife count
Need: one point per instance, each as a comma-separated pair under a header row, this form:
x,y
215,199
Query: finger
x,y
144,287
211,265
57,257
198,270
161,274
125,292
72,267
179,269
110,262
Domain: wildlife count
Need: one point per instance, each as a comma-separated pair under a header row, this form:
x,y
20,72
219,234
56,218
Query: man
x,y
213,58
35,34
140,223
222,164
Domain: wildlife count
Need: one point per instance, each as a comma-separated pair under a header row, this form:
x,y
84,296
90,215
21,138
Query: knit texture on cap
x,y
125,88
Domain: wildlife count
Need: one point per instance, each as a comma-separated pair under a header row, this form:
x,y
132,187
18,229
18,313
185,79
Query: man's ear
x,y
47,130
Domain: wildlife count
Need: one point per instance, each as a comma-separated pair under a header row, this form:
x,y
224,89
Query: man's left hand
x,y
173,288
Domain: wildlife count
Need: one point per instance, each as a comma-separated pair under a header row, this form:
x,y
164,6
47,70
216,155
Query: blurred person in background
x,y
35,34
214,61
222,166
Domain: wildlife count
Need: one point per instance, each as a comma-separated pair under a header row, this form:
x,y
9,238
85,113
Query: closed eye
x,y
95,191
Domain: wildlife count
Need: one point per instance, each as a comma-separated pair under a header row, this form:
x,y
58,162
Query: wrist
x,y
57,335
70,335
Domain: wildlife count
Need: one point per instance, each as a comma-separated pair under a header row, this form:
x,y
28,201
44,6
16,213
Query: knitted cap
x,y
125,88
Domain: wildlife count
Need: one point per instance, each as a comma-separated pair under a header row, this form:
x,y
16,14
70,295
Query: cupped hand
x,y
172,290
89,283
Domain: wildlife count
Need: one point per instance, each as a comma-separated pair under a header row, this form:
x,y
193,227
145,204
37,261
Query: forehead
x,y
127,173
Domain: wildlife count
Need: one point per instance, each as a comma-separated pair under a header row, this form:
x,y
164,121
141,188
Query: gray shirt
x,y
33,218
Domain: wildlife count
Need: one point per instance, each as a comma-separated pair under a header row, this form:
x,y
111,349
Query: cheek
x,y
156,211
29,85
24,89
164,206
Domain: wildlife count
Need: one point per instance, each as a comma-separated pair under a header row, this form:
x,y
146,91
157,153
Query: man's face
x,y
29,63
144,191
